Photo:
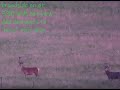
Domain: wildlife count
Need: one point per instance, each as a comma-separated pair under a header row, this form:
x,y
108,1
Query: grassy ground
x,y
52,83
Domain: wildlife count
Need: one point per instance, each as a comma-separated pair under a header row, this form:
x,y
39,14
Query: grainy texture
x,y
79,39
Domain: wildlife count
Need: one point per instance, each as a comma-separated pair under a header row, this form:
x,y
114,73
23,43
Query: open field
x,y
72,51
53,83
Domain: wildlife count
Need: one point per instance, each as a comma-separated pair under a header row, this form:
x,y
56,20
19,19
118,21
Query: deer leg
x,y
36,74
119,78
25,74
110,79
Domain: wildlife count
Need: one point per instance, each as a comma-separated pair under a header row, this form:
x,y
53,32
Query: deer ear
x,y
106,64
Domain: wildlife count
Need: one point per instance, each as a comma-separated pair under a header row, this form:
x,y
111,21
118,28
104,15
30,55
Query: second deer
x,y
111,75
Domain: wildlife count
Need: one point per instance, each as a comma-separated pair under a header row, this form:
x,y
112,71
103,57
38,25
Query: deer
x,y
28,70
111,75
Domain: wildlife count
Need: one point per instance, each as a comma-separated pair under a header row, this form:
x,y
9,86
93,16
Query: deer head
x,y
106,67
20,62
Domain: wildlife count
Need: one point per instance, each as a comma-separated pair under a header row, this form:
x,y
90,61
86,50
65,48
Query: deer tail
x,y
38,69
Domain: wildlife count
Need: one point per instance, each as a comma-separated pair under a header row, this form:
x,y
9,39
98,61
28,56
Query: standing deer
x,y
28,70
111,75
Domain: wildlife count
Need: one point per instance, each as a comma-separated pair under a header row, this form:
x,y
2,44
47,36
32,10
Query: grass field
x,y
53,83
70,54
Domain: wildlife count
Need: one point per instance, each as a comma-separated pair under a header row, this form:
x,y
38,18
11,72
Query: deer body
x,y
30,70
113,75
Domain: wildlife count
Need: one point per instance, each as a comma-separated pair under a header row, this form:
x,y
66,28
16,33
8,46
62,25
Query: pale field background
x,y
72,51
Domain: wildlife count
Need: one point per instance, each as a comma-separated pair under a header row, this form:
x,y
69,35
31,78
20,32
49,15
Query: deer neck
x,y
107,71
22,67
